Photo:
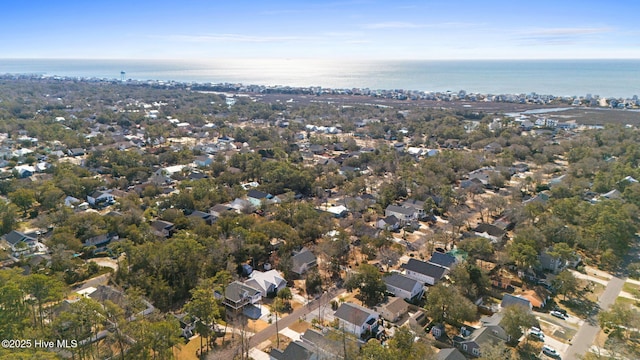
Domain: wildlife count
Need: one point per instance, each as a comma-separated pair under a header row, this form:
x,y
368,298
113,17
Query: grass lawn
x,y
632,289
623,300
284,341
300,326
564,334
188,350
596,290
257,325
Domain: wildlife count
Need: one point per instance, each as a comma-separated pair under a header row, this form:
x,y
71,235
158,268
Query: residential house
x,y
303,261
404,287
424,272
162,228
220,209
537,297
329,344
471,340
390,223
394,309
491,232
187,325
339,211
104,292
512,300
446,261
450,354
100,197
267,282
417,206
75,152
20,243
160,177
24,171
296,350
206,217
100,241
202,161
550,262
241,206
404,214
237,295
493,147
258,198
356,319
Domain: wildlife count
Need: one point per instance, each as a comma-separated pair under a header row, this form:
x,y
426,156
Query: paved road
x,y
270,331
585,336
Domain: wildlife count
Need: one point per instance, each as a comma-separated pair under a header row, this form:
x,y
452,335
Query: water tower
x,y
122,73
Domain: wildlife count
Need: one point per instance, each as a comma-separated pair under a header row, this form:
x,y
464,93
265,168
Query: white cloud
x,y
393,25
234,38
569,31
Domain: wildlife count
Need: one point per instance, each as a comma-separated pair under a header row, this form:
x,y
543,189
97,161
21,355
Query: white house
x,y
100,197
404,214
424,272
237,295
302,261
356,319
20,243
266,282
403,287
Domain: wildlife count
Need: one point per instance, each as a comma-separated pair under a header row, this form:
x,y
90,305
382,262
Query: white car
x,y
536,332
549,351
558,314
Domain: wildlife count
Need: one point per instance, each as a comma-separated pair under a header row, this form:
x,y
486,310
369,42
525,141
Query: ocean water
x,y
607,78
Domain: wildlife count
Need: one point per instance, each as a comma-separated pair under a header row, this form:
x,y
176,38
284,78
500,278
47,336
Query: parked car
x,y
558,314
537,333
549,351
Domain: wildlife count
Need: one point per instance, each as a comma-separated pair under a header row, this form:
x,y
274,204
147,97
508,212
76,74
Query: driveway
x,y
313,305
590,329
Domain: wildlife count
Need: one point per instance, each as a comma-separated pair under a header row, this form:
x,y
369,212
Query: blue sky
x,y
358,29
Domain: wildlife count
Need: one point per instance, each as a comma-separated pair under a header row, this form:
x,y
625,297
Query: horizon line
x,y
316,59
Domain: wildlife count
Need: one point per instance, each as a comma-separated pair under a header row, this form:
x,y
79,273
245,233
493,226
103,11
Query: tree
x,y
205,308
524,255
617,320
403,345
470,280
499,350
445,303
313,282
515,320
368,280
477,248
277,307
23,198
565,283
388,256
44,289
83,320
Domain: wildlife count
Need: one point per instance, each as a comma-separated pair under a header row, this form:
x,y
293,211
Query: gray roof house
x,y
237,295
394,309
424,272
404,214
296,350
442,259
450,354
471,340
356,319
403,287
390,223
302,261
511,300
20,243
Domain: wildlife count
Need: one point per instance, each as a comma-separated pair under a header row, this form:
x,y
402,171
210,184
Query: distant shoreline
x,y
618,79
